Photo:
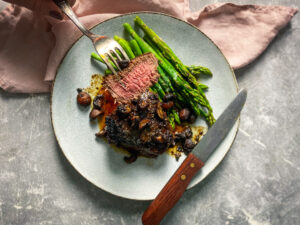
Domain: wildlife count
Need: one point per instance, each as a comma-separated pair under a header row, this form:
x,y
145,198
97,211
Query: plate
x,y
94,159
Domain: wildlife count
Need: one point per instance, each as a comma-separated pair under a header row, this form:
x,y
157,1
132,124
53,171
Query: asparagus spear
x,y
107,72
125,45
97,57
135,47
199,70
158,89
203,86
171,120
176,117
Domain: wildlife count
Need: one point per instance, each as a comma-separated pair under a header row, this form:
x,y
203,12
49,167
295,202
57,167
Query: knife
x,y
177,184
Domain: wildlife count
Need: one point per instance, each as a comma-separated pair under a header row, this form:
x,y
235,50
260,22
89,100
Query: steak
x,y
134,80
140,126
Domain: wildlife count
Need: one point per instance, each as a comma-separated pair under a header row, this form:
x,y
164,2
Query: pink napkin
x,y
32,46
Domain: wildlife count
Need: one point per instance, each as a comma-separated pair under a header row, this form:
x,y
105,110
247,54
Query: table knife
x,y
175,187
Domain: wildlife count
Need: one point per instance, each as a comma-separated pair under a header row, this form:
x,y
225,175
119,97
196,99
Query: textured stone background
x,y
257,183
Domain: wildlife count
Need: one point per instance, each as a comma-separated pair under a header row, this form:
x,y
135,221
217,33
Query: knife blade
x,y
221,127
175,187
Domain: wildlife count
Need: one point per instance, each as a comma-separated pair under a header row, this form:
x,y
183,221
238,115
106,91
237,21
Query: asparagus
x,y
169,55
135,47
199,70
167,52
193,94
203,86
171,120
107,72
176,117
158,89
125,45
97,57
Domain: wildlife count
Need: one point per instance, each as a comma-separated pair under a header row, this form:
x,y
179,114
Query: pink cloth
x,y
32,46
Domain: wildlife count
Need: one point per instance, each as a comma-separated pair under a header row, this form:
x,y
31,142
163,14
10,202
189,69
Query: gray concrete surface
x,y
258,183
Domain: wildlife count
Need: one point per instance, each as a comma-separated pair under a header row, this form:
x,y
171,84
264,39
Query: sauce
x,y
95,89
108,107
198,133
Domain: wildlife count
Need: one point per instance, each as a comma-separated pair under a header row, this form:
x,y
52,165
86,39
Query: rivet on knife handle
x,y
172,191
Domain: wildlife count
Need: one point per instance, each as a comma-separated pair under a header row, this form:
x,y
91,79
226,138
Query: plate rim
x,y
118,16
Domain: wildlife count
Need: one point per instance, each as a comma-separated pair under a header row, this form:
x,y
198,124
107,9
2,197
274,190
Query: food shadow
x,y
116,157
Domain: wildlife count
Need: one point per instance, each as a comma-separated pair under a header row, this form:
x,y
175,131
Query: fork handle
x,y
66,8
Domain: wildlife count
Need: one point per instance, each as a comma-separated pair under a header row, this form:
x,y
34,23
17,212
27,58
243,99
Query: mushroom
x,y
192,118
95,113
184,114
188,132
144,123
188,145
160,112
167,105
98,101
83,98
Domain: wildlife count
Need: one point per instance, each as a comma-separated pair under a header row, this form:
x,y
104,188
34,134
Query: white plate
x,y
96,160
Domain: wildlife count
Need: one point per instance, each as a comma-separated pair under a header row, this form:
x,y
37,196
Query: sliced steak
x,y
134,80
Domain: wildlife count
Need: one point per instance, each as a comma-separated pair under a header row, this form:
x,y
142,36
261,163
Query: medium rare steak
x,y
131,82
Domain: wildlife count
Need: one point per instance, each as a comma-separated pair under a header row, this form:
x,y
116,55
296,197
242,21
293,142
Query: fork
x,y
105,46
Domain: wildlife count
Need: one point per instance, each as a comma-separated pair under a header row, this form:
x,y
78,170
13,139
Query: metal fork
x,y
105,46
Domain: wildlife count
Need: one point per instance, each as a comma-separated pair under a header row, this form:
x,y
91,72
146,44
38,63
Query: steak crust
x,y
137,127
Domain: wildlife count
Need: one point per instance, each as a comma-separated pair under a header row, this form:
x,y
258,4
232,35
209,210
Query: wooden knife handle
x,y
172,191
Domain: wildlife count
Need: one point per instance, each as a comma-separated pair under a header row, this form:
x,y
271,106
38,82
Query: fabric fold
x,y
32,46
